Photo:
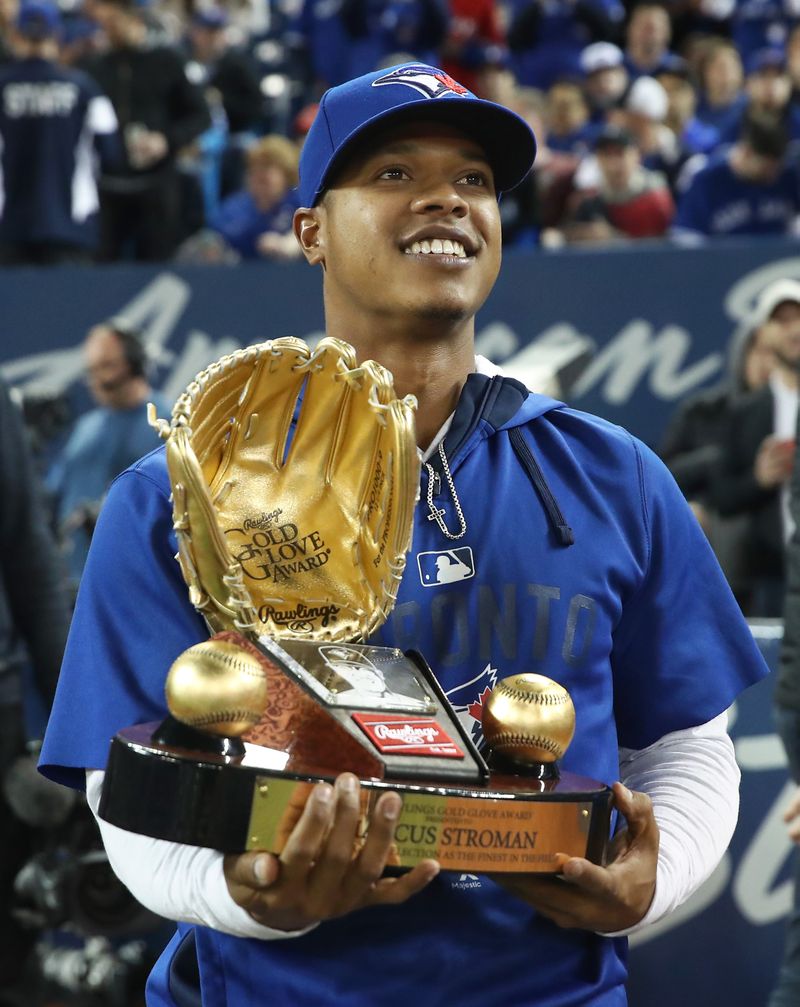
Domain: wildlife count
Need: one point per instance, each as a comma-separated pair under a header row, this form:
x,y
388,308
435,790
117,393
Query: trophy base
x,y
173,733
510,823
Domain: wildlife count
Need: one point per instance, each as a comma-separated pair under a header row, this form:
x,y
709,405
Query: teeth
x,y
437,246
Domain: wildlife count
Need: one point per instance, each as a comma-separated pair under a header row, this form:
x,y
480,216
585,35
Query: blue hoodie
x,y
581,560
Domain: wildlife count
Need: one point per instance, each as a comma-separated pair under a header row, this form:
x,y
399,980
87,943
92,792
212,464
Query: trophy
x,y
284,694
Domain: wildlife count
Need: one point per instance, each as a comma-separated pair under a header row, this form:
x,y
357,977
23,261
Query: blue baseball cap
x,y
770,58
213,18
38,20
405,93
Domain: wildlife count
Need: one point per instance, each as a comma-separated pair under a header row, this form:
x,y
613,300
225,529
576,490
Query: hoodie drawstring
x,y
564,533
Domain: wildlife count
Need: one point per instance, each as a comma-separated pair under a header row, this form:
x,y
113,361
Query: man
x,y
605,78
399,181
758,452
105,440
630,202
749,188
53,123
159,113
647,37
232,71
768,89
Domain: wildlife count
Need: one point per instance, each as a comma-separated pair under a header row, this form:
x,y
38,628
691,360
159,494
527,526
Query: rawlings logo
x,y
262,521
300,619
407,735
426,80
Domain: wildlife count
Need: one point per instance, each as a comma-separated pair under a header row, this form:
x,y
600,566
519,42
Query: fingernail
x,y
261,870
323,793
625,792
573,869
347,783
431,870
391,808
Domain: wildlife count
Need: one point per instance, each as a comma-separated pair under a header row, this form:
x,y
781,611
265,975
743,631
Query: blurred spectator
x,y
768,91
606,79
52,122
645,113
233,74
80,38
34,618
159,113
692,447
630,202
745,189
693,136
647,40
568,127
537,205
257,222
474,39
547,39
721,79
758,452
341,39
107,439
760,24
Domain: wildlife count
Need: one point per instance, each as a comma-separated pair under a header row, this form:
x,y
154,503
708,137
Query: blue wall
x,y
659,319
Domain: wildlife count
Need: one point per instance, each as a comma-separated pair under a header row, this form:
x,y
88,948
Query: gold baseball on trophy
x,y
529,719
217,687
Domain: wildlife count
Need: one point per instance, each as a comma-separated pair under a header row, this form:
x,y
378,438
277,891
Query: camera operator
x,y
106,440
34,618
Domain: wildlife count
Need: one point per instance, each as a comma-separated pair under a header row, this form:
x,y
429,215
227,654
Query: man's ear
x,y
308,229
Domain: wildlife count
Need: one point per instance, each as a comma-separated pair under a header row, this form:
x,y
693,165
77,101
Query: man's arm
x,y
261,895
680,798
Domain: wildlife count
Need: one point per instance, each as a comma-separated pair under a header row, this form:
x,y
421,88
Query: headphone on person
x,y
133,346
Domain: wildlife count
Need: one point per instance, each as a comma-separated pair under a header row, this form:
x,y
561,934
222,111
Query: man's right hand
x,y
316,876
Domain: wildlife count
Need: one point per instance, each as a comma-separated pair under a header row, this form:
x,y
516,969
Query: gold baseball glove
x,y
294,478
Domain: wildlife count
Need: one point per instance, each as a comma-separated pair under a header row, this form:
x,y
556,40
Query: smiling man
x,y
579,558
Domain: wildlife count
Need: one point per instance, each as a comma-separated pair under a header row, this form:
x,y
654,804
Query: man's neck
x,y
434,370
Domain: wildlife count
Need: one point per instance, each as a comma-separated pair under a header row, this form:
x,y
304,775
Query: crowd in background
x,y
153,129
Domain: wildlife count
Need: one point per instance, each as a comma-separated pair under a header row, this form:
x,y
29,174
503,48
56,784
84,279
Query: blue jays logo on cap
x,y
348,110
427,80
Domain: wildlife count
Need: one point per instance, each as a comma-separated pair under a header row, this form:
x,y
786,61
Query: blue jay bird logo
x,y
429,81
469,698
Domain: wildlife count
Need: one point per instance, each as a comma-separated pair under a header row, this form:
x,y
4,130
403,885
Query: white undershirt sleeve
x,y
178,882
692,779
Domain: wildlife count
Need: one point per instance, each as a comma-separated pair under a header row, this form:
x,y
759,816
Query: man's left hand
x,y
603,899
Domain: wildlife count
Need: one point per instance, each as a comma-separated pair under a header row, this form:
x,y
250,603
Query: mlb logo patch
x,y
446,566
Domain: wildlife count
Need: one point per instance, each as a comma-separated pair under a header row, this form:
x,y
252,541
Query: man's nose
x,y
442,200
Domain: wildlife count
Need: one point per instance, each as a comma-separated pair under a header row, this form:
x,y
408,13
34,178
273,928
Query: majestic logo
x,y
429,82
445,567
